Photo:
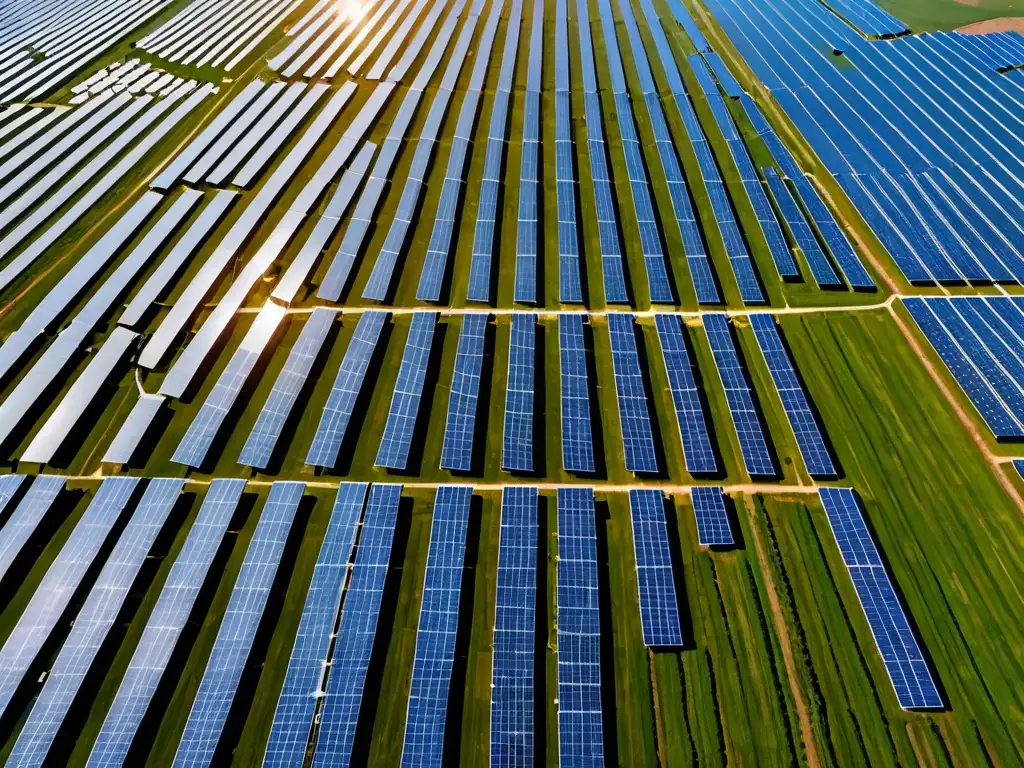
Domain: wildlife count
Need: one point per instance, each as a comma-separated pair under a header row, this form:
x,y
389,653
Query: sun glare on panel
x,y
350,9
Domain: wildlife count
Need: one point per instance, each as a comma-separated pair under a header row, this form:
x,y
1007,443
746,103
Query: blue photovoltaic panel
x,y
303,682
1018,464
439,624
9,485
580,730
27,516
357,629
515,612
794,399
659,609
903,658
824,274
165,624
93,622
405,403
712,520
260,445
725,78
693,429
517,445
637,437
58,586
323,452
239,626
753,445
457,451
577,436
198,439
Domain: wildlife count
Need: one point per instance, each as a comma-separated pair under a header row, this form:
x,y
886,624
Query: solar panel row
x,y
396,442
94,621
659,609
307,667
753,444
22,523
348,384
356,630
904,661
527,232
577,436
457,450
216,694
631,392
517,444
514,638
570,285
713,529
438,626
794,398
165,625
580,726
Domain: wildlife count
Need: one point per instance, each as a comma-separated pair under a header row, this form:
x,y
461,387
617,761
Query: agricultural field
x,y
511,382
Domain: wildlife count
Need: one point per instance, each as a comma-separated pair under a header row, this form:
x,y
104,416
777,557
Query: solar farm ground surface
x,y
779,665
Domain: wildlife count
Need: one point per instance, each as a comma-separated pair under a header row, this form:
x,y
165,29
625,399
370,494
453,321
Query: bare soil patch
x,y
1005,24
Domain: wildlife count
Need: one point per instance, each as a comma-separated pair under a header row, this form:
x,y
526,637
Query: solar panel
x,y
824,274
580,729
438,626
238,627
724,76
631,393
94,621
260,445
196,443
396,442
26,517
62,579
457,450
794,398
753,445
166,623
713,528
517,445
307,667
693,429
901,654
323,452
659,609
54,432
357,628
577,436
514,637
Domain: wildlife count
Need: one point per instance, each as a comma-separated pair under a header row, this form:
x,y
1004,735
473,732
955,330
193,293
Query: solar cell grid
x,y
713,527
62,579
904,661
580,730
165,624
794,398
438,625
357,628
697,448
753,443
517,444
27,515
824,274
396,442
93,622
260,445
457,449
630,390
577,437
512,672
659,609
304,680
238,628
323,451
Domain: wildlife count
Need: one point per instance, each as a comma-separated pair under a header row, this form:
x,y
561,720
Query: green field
x,y
779,666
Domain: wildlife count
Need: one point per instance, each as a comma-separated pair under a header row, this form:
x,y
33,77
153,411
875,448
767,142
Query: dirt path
x,y
802,712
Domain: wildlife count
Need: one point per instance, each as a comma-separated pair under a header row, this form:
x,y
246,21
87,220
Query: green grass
x,y
929,15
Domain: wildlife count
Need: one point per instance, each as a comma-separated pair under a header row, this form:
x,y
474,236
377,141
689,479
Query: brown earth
x,y
1005,24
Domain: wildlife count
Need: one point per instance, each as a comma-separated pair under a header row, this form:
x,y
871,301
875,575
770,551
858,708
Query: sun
x,y
350,9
